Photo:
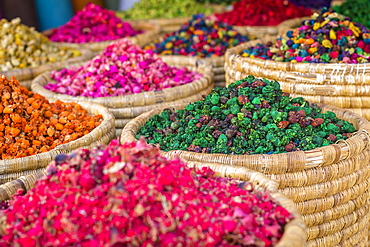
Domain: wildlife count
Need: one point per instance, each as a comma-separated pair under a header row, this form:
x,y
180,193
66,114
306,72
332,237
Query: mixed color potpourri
x,y
123,68
23,47
92,24
326,38
201,36
127,194
262,13
250,116
30,124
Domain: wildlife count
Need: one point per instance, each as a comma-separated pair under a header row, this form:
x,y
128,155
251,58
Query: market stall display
x,y
324,60
260,18
327,182
129,81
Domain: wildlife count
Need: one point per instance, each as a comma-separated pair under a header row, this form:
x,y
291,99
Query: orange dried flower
x,y
30,124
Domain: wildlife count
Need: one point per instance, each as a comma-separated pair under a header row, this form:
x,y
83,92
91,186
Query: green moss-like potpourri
x,y
153,9
357,10
250,116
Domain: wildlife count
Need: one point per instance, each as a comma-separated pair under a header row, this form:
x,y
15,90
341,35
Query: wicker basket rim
x,y
314,157
203,68
232,54
30,73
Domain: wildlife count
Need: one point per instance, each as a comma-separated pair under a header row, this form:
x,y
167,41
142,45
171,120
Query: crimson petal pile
x,y
123,68
127,194
92,24
262,13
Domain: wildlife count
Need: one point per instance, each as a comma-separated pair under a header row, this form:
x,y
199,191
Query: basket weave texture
x,y
126,107
26,75
12,169
151,31
329,185
341,85
254,32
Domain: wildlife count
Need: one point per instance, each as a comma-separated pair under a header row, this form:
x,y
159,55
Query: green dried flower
x,y
250,116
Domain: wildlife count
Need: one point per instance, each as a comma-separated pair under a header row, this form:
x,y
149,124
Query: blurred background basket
x,y
151,31
169,25
26,75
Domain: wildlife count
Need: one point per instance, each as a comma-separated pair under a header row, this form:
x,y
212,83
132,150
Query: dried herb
x,y
30,124
148,9
250,116
129,195
23,47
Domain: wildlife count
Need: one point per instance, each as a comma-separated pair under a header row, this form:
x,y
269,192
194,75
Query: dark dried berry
x,y
230,133
332,138
216,134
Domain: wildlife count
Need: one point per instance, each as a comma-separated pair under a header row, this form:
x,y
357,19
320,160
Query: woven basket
x,y
151,31
26,75
329,185
342,85
294,231
254,32
217,64
127,107
11,169
169,25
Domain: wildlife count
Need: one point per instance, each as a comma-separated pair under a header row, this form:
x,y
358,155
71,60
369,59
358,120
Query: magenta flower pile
x,y
123,68
129,195
92,24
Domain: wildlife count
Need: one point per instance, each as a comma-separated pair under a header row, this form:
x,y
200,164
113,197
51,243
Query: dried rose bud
x,y
283,124
332,138
317,121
